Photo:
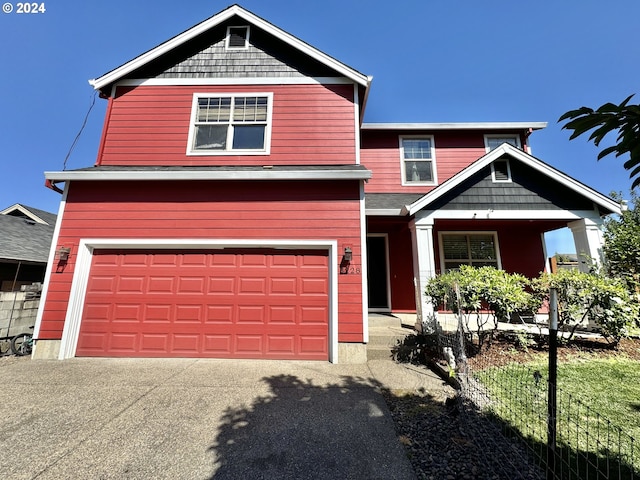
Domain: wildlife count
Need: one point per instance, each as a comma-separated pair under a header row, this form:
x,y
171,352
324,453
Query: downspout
x,y
49,184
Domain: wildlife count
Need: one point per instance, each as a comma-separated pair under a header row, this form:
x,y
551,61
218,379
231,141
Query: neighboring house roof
x,y
275,172
35,214
149,56
26,237
605,203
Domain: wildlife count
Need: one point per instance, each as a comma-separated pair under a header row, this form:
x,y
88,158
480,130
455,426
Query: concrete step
x,y
379,353
379,320
384,339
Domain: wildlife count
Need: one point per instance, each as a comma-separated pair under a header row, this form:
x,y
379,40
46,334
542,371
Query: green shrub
x,y
486,295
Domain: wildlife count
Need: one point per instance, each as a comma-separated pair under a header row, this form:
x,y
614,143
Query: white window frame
x,y
496,244
228,38
493,171
229,150
434,170
515,137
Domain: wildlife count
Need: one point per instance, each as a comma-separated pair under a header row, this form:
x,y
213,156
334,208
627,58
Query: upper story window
x,y
230,124
417,161
237,38
491,142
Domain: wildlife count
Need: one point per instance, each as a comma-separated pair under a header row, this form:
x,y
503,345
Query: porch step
x,y
386,333
380,320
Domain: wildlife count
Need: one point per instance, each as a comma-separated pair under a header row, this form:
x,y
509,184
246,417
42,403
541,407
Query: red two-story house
x,y
240,208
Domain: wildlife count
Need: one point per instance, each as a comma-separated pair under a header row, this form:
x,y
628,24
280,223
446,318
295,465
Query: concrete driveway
x,y
199,419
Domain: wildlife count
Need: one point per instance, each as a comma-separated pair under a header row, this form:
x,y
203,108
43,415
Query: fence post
x,y
553,376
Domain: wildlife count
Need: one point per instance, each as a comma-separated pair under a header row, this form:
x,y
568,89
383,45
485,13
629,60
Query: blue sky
x,y
432,61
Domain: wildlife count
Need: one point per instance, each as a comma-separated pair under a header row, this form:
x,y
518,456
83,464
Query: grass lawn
x,y
610,387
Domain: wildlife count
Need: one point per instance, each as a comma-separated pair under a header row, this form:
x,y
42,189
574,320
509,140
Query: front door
x,y
378,277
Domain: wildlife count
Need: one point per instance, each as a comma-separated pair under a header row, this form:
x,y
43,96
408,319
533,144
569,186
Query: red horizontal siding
x,y
212,210
380,153
149,125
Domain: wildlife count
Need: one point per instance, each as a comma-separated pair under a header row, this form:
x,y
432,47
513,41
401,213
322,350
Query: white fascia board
x,y
137,82
490,214
202,27
384,212
266,174
505,148
456,126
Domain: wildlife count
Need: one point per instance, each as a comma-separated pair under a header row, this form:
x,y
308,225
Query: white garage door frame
x,y
86,248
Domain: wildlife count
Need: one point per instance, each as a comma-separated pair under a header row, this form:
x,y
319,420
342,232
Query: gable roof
x,y
25,238
149,56
34,214
597,198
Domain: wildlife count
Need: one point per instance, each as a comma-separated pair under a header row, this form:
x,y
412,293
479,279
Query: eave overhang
x,y
119,73
338,172
602,201
456,126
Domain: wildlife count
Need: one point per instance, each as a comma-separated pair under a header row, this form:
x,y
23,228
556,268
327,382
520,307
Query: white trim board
x,y
50,262
168,82
456,126
491,214
86,247
267,173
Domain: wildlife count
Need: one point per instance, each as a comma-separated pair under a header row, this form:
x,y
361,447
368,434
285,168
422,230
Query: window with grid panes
x,y
475,249
230,123
491,142
417,160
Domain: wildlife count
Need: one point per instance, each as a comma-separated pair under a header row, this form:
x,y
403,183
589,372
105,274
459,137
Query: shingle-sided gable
x,y
207,56
528,190
537,179
199,53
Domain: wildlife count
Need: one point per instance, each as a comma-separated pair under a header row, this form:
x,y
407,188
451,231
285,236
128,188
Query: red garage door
x,y
223,303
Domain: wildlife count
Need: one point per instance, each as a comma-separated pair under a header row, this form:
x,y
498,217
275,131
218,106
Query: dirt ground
x,y
507,348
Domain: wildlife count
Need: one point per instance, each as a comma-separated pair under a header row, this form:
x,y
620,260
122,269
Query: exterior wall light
x,y
63,254
348,254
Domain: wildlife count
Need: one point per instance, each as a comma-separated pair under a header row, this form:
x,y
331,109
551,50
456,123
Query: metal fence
x,y
513,400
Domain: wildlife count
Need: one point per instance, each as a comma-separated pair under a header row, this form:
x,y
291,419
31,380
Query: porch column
x,y
424,266
587,236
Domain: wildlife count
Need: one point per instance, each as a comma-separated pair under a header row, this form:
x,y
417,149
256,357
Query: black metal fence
x,y
514,401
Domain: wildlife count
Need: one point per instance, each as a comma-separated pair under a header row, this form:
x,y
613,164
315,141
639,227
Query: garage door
x,y
243,303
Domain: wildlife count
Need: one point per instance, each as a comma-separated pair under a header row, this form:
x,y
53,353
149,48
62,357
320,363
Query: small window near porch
x,y
474,249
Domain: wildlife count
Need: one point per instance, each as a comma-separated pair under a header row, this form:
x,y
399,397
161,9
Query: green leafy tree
x,y
622,246
623,118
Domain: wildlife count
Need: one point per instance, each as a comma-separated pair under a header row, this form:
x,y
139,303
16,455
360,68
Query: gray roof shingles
x,y
24,240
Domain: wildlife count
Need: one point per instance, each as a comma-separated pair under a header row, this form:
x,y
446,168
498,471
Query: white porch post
x,y
424,267
587,236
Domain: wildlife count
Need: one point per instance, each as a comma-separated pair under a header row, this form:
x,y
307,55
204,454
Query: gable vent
x,y
501,171
237,37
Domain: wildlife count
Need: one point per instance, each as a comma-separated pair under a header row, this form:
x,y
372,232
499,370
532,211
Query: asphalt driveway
x,y
199,419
